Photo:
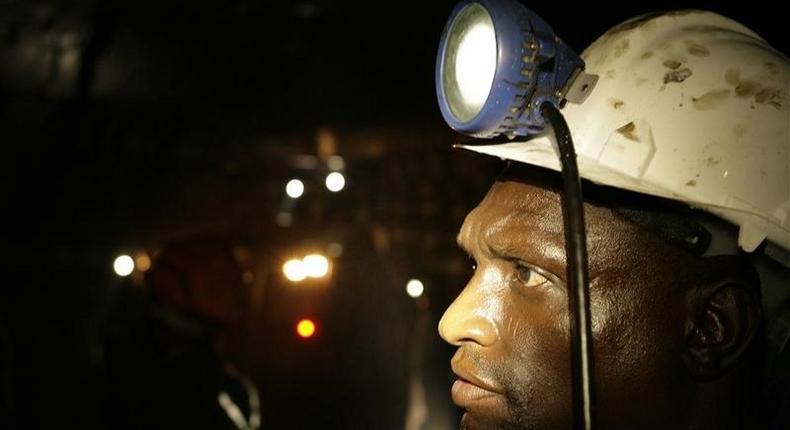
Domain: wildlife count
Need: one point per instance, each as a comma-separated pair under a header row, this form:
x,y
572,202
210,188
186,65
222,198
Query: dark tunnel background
x,y
127,123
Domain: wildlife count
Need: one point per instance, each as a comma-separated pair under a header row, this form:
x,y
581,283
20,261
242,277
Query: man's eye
x,y
529,277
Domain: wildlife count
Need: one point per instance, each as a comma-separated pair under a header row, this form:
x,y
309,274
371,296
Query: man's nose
x,y
470,318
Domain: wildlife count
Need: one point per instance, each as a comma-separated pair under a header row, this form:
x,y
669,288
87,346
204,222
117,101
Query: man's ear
x,y
724,315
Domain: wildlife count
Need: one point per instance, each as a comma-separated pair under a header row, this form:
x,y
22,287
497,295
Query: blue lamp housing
x,y
498,62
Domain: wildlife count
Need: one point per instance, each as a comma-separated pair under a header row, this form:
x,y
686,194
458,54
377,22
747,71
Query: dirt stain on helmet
x,y
770,96
746,89
712,99
733,77
672,64
678,75
621,48
628,131
696,49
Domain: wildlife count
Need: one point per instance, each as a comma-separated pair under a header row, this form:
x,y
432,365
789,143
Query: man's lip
x,y
471,378
465,394
470,388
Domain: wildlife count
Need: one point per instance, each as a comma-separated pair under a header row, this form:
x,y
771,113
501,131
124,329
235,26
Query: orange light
x,y
305,328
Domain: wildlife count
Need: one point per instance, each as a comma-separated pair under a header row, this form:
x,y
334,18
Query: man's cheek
x,y
538,386
540,354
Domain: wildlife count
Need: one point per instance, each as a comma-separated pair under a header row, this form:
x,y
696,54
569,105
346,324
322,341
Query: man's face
x,y
511,323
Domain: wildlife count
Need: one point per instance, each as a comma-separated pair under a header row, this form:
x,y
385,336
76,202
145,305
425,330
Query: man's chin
x,y
474,421
470,422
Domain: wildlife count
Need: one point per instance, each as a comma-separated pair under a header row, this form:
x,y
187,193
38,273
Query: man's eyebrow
x,y
544,247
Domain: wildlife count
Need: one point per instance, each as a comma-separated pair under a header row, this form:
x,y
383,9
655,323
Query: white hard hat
x,y
690,106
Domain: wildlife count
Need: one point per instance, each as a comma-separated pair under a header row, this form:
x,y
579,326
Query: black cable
x,y
576,270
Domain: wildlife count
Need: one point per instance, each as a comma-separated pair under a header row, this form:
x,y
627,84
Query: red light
x,y
305,328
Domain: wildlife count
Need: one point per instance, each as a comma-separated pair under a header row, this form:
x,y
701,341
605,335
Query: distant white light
x,y
294,188
123,265
315,265
414,288
335,181
336,163
294,270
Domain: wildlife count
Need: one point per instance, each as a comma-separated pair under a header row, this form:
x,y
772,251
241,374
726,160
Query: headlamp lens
x,y
469,62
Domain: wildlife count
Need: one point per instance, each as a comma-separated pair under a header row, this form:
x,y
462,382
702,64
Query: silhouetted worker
x,y
168,365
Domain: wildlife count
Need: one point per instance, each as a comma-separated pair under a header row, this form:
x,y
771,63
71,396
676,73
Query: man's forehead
x,y
509,204
523,213
523,196
526,212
